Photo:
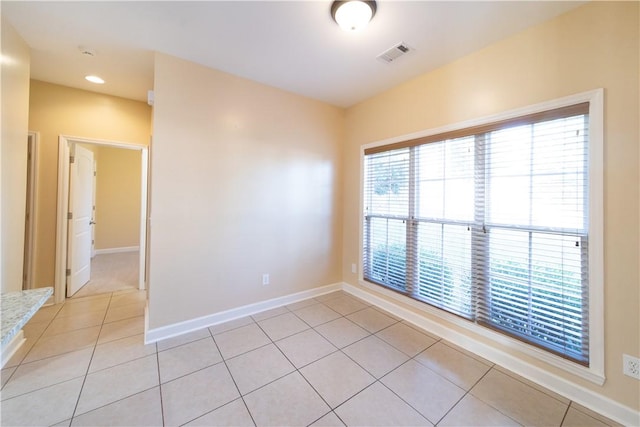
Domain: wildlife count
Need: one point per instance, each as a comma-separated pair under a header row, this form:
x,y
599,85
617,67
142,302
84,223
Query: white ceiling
x,y
292,45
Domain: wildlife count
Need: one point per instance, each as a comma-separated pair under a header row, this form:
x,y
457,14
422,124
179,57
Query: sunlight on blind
x,y
536,232
491,226
387,190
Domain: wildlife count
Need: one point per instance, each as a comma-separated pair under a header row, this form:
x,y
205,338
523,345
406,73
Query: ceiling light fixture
x,y
353,15
94,79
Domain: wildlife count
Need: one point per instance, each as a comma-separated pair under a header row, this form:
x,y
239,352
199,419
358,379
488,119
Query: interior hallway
x,y
112,273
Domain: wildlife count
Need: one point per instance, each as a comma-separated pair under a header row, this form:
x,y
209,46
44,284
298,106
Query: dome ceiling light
x,y
353,15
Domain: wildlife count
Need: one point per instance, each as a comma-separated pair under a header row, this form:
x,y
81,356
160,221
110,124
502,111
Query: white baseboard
x,y
164,332
588,398
117,250
12,346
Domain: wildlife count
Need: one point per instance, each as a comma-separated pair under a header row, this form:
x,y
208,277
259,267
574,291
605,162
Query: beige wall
x,y
594,46
245,180
56,110
13,165
117,198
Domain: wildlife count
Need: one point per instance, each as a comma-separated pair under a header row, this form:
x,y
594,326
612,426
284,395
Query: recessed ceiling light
x,y
95,79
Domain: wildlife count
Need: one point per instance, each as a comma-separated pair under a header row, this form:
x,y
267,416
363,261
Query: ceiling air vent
x,y
394,53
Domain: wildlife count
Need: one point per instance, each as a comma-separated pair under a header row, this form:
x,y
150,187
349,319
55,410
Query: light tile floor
x,y
329,361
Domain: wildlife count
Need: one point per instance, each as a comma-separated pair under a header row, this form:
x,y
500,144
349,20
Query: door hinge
x,y
69,215
72,159
68,272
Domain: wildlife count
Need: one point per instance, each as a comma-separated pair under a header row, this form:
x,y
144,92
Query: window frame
x,y
595,371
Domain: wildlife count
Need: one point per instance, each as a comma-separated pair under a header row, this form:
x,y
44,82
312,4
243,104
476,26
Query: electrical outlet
x,y
631,366
354,268
265,279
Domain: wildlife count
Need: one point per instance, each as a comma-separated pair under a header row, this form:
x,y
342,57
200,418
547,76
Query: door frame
x,y
31,223
64,144
93,209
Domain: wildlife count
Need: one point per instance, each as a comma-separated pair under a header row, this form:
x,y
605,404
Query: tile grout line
x,y
420,364
379,380
55,317
232,379
84,380
572,406
566,411
413,358
159,383
331,410
466,392
493,365
36,341
22,363
117,364
511,374
436,340
87,374
89,365
117,400
297,370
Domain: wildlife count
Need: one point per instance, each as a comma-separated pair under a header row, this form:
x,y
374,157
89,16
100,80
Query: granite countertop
x,y
16,308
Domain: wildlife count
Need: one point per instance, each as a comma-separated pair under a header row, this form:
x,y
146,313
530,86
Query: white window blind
x,y
489,223
388,212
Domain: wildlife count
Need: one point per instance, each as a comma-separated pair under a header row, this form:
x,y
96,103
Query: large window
x,y
490,223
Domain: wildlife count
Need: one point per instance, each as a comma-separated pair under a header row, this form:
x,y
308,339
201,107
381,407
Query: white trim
x,y
146,321
104,142
117,250
595,372
93,207
169,331
596,231
10,349
59,288
144,213
591,399
64,141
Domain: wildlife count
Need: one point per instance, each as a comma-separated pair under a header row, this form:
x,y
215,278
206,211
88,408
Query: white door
x,y
81,203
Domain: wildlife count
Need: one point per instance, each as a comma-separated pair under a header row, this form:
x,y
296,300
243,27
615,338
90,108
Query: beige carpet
x,y
110,273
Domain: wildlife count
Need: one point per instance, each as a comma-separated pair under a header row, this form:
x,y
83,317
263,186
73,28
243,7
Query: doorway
x,y
65,266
